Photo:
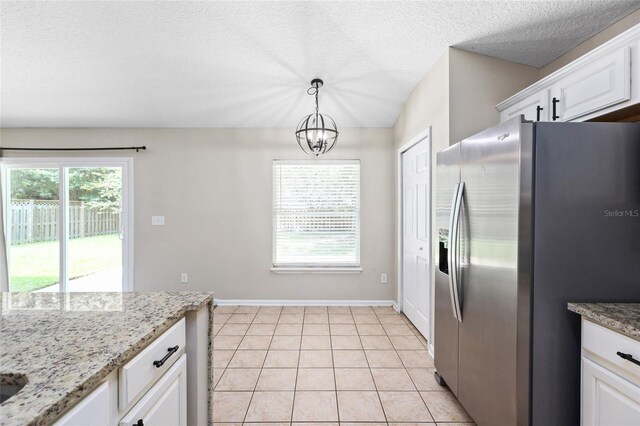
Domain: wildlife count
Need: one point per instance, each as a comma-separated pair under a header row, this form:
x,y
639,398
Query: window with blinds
x,y
316,213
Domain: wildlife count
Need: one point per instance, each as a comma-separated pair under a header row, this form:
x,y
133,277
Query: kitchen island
x,y
62,346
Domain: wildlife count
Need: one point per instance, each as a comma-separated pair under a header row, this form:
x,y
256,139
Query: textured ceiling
x,y
248,64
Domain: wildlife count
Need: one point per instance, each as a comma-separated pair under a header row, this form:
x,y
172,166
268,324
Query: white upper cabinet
x,y
598,84
534,107
602,81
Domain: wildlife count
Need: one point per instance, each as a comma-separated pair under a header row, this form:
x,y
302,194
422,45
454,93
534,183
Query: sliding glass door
x,y
32,215
67,224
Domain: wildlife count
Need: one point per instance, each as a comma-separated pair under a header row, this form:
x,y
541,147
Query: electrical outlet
x,y
184,277
157,220
383,278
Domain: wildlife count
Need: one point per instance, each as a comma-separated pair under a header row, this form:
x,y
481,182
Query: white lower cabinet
x,y
137,375
607,398
165,404
149,390
610,383
157,386
91,411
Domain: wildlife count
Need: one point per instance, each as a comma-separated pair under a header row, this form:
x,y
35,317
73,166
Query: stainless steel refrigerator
x,y
531,216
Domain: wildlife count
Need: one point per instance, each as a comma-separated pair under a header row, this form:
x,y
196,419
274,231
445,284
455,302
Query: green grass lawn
x,y
34,266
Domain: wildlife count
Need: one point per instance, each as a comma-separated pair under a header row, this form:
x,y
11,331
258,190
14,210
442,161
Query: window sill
x,y
316,270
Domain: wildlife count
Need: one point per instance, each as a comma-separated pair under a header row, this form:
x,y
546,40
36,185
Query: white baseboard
x,y
254,302
396,307
430,349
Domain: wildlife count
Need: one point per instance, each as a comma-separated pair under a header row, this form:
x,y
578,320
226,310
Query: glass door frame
x,y
62,163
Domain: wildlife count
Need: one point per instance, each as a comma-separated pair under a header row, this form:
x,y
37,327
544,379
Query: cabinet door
x,y
165,404
534,108
596,85
93,410
608,399
137,375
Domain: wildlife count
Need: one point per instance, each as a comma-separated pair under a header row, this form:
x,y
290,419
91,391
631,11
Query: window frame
x,y
302,267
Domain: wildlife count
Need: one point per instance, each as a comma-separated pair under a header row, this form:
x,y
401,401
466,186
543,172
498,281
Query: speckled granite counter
x,y
67,343
621,317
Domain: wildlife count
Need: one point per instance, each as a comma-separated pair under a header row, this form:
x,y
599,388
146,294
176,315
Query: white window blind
x,y
316,213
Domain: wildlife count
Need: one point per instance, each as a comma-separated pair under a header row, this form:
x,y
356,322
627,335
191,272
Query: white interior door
x,y
416,229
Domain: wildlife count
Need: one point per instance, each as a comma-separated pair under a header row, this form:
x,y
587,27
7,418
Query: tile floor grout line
x,y
214,349
395,349
419,392
263,362
416,333
234,354
335,381
235,351
295,383
407,371
375,385
224,370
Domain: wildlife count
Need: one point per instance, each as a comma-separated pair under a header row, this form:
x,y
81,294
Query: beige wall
x,y
427,105
214,188
457,98
476,84
590,44
225,175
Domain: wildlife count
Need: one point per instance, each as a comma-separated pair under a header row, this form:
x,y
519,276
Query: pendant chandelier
x,y
316,133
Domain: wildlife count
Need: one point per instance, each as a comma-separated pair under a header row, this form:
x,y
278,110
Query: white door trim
x,y
127,196
424,135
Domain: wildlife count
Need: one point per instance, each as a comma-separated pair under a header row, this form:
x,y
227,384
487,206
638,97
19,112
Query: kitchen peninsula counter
x,y
621,317
65,344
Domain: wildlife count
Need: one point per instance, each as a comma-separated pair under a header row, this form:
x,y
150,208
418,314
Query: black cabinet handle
x,y
160,363
538,109
554,101
139,423
628,357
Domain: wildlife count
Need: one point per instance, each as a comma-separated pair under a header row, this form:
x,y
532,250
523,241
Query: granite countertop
x,y
621,317
67,343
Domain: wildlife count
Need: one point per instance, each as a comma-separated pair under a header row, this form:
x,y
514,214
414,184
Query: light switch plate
x,y
157,220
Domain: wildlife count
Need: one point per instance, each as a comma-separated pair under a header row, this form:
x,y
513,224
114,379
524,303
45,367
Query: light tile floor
x,y
318,364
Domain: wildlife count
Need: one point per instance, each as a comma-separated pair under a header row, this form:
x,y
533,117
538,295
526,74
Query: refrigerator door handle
x,y
454,266
453,250
452,243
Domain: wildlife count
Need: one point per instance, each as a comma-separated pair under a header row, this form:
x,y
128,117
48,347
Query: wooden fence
x,y
34,221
